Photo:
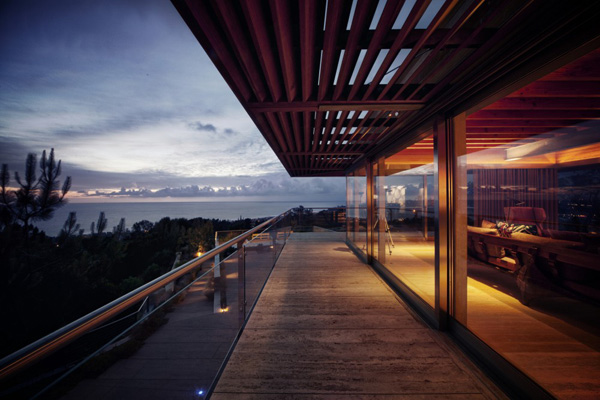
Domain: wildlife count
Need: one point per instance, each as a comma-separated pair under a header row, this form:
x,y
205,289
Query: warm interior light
x,y
198,254
513,159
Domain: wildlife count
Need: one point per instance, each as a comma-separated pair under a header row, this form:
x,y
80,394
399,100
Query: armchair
x,y
527,216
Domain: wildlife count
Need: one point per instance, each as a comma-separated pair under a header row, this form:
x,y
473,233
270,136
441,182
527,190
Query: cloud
x,y
199,126
276,186
128,99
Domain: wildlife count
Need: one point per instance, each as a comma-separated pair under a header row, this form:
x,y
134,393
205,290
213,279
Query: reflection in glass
x,y
356,192
533,213
404,224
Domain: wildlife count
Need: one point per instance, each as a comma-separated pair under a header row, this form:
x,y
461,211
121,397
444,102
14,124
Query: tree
x,y
36,198
119,230
143,226
100,226
70,226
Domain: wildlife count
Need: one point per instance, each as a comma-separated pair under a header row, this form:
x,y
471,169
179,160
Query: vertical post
x,y
217,280
381,212
356,204
440,176
370,211
425,211
451,218
459,213
218,256
348,203
241,282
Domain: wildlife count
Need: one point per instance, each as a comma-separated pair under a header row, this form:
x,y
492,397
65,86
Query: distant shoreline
x,y
153,211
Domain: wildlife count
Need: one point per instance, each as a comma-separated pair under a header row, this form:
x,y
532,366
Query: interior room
x,y
532,204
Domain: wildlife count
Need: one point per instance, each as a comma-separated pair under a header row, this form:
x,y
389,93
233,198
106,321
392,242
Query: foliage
x,y
74,274
36,198
98,229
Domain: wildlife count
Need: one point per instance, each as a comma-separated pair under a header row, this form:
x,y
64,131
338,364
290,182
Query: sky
x,y
132,106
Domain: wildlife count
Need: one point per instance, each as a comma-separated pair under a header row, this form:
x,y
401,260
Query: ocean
x,y
154,211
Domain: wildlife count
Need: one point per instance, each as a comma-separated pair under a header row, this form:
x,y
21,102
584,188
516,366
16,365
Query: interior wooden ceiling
x,y
565,102
325,82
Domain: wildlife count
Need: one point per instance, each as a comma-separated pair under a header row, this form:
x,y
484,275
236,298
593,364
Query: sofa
x,y
542,262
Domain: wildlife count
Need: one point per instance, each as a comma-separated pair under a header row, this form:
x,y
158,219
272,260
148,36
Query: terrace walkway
x,y
326,326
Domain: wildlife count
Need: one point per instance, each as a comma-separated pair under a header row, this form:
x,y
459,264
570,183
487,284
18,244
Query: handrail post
x,y
241,282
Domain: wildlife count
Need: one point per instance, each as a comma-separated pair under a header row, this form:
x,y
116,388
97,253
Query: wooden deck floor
x,y
327,327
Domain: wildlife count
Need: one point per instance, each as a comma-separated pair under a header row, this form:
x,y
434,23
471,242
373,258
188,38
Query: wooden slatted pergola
x,y
329,82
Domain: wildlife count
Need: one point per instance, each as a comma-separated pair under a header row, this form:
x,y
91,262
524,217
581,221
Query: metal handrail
x,y
62,336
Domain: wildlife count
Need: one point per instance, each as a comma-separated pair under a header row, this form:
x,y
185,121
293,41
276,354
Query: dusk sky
x,y
128,99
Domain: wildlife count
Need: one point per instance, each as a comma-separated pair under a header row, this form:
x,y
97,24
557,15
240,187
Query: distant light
x,y
198,254
200,392
224,309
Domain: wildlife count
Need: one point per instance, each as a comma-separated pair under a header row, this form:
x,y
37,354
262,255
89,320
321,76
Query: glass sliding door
x,y
531,185
404,217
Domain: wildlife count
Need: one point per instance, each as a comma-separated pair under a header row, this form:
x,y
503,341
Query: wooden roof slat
x,y
413,18
329,137
433,53
452,56
297,131
308,127
363,14
337,14
360,126
221,56
509,27
243,47
262,124
276,129
348,128
269,52
415,34
282,22
268,123
264,46
333,106
370,128
386,21
310,20
385,129
318,127
338,128
328,127
284,122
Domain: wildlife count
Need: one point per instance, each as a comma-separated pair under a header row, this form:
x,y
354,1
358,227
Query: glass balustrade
x,y
216,291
